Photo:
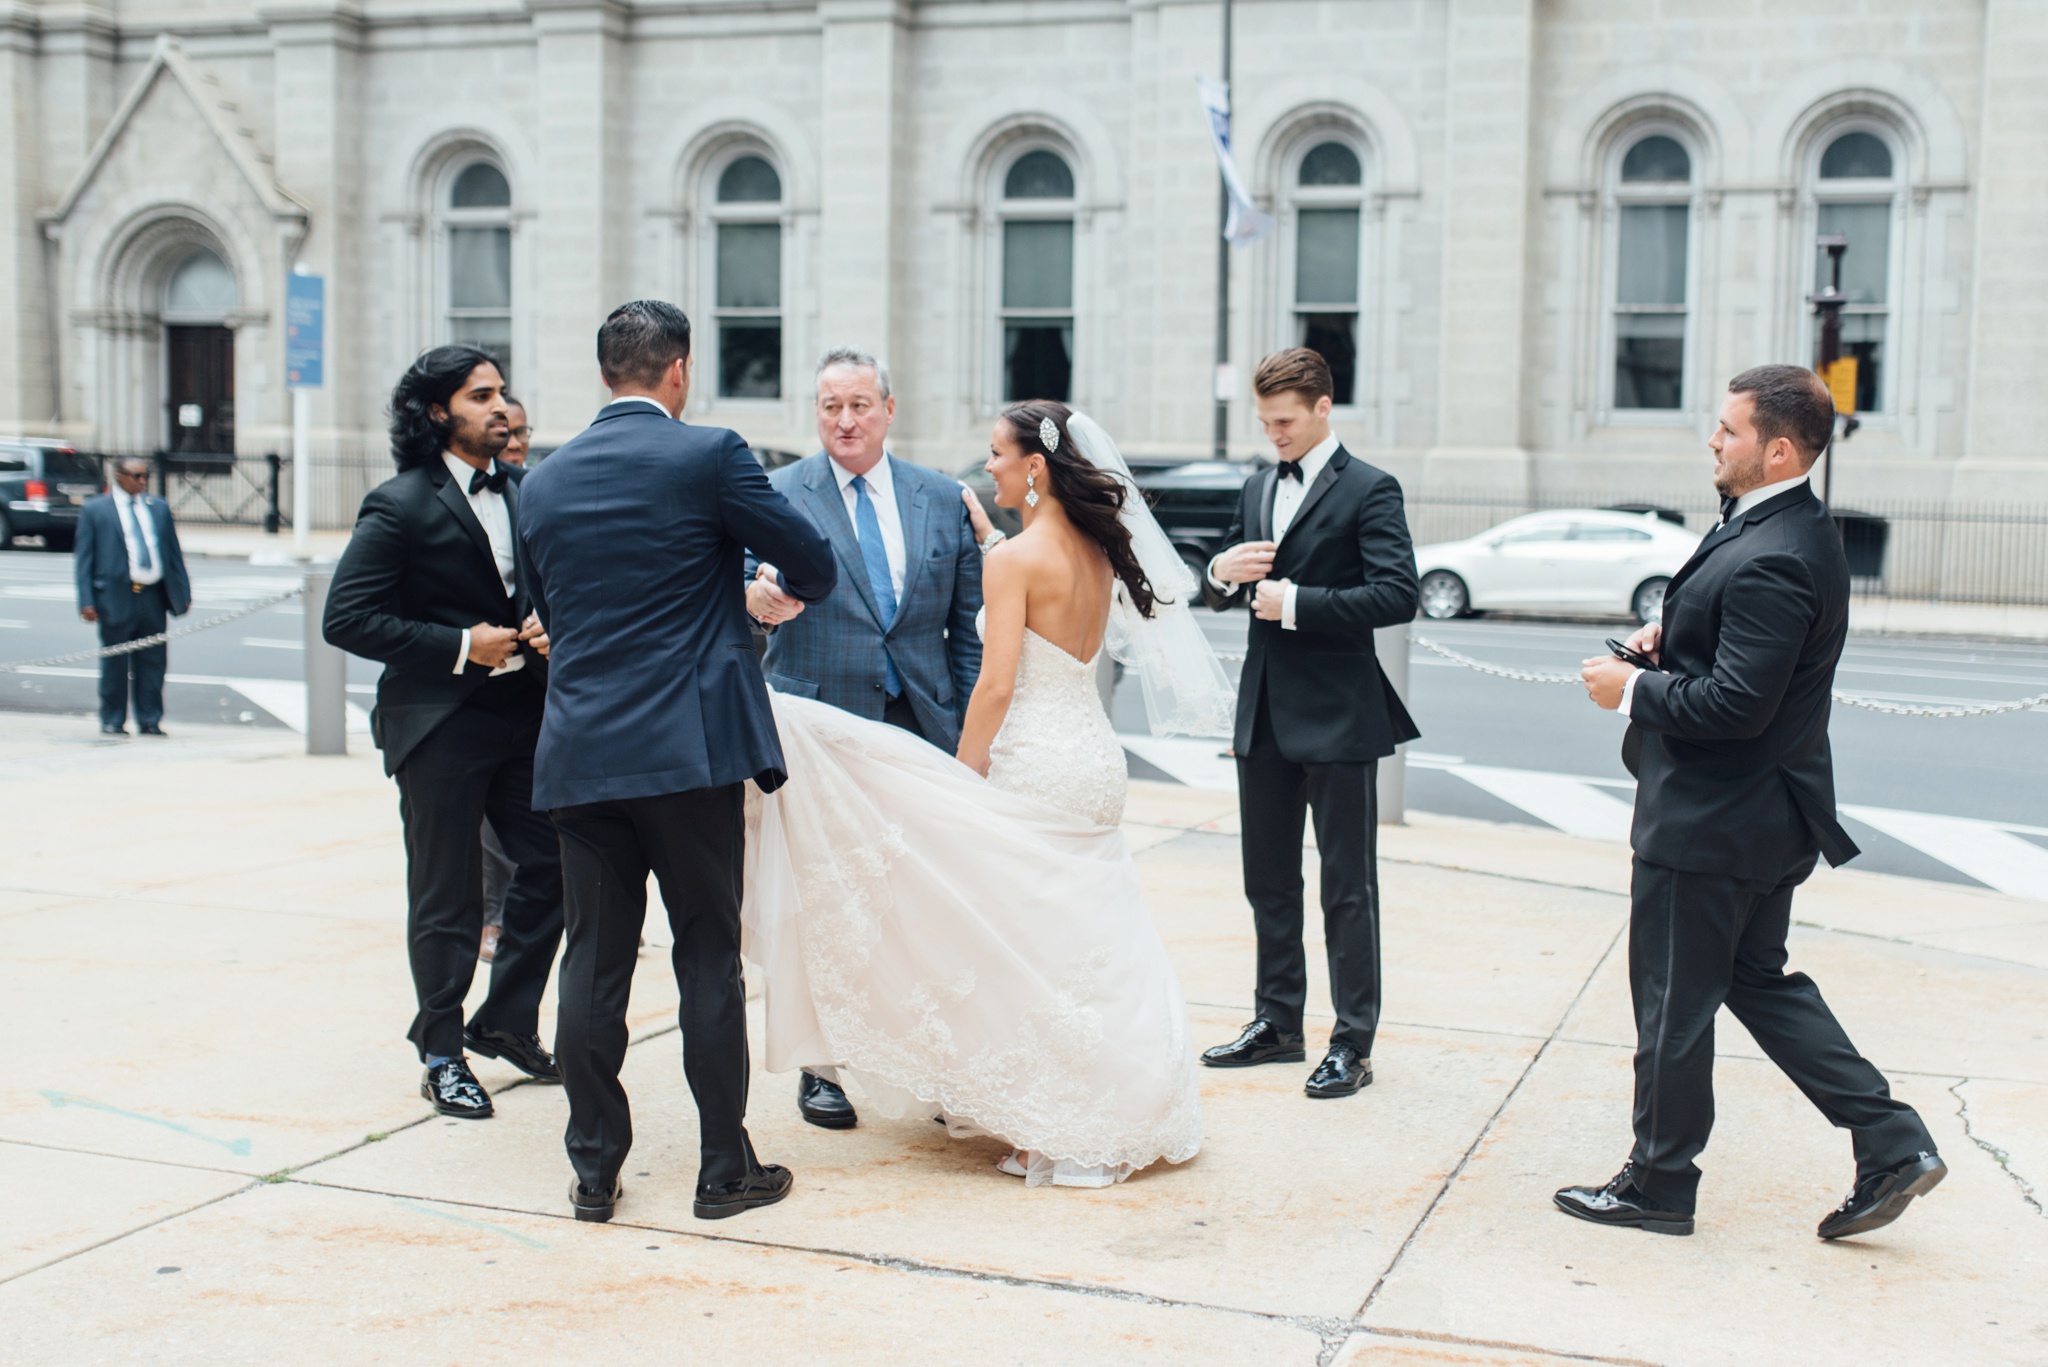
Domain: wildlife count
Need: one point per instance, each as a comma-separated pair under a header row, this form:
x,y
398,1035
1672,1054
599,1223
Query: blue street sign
x,y
305,308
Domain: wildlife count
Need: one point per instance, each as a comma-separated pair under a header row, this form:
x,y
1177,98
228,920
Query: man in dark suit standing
x,y
1320,548
657,716
1735,800
897,641
433,585
131,579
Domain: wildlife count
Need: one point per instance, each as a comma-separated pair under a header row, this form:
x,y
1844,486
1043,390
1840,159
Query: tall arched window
x,y
1856,194
477,222
1652,190
1326,198
746,269
199,354
1035,208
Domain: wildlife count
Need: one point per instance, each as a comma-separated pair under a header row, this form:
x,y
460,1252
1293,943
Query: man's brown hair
x,y
1297,369
1790,401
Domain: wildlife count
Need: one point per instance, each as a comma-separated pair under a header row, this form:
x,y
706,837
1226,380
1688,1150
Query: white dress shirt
x,y
882,493
137,521
496,518
642,398
1288,495
1742,505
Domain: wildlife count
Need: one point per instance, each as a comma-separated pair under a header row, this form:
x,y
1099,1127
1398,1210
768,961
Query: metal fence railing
x,y
255,490
1923,550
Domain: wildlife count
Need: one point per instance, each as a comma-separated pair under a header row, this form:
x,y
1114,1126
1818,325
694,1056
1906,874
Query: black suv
x,y
42,485
1193,500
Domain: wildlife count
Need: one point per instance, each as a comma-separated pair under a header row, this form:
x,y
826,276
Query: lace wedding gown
x,y
973,947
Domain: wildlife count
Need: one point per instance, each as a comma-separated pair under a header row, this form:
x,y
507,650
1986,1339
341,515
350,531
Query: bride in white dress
x,y
977,946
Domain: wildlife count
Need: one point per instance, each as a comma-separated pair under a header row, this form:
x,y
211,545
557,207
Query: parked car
x,y
1588,560
43,482
1193,500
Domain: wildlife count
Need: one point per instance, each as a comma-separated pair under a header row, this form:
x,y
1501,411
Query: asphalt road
x,y
1474,727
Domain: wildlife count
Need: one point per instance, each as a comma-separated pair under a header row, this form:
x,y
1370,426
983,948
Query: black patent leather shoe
x,y
1261,1042
594,1207
1341,1073
824,1103
1882,1197
455,1091
767,1184
1622,1202
521,1051
156,731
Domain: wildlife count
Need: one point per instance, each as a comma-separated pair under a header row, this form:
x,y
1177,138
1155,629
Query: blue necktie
x,y
142,556
873,554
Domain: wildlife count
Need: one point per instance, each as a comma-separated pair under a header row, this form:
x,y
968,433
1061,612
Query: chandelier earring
x,y
1031,490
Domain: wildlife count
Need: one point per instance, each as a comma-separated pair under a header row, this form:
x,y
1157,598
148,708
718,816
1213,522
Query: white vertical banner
x,y
1246,223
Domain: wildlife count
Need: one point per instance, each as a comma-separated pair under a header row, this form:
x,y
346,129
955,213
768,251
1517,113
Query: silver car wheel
x,y
1443,596
1648,602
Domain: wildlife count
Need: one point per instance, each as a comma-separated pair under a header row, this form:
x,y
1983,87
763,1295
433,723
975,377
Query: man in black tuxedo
x,y
1328,561
433,585
657,716
1735,799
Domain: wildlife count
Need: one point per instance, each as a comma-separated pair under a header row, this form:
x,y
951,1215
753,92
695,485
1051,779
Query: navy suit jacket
x,y
634,533
833,651
99,557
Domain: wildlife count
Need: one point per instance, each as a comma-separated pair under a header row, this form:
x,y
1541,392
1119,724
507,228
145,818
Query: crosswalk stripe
x,y
1572,805
1983,850
284,699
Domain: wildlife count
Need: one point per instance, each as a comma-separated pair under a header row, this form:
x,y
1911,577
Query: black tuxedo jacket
x,y
417,573
1348,548
1729,741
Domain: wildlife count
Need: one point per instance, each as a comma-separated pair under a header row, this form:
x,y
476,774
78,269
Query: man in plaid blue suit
x,y
896,640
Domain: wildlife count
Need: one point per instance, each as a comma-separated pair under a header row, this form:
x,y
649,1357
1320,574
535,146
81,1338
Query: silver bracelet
x,y
995,534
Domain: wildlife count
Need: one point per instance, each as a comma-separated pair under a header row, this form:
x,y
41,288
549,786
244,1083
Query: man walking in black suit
x,y
433,585
131,579
657,716
1735,799
1328,560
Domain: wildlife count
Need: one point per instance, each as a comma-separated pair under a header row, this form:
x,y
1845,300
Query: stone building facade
x,y
1536,235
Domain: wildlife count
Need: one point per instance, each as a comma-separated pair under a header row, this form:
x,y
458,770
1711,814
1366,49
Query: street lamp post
x,y
1222,387
1828,304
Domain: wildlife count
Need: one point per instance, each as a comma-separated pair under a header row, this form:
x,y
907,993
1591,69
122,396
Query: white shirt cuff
x,y
1214,582
462,653
1628,692
1287,608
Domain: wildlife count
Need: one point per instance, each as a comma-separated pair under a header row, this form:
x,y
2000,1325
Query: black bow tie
x,y
1727,508
1291,469
492,479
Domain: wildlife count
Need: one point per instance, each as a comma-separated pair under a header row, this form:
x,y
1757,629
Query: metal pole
x,y
1223,269
1391,645
273,516
1828,304
302,473
326,673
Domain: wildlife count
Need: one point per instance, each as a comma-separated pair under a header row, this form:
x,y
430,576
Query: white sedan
x,y
1574,560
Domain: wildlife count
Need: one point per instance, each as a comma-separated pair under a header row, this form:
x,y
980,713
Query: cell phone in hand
x,y
1629,655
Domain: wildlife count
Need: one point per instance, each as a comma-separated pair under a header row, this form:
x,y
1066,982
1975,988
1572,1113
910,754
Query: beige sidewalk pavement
x,y
211,1148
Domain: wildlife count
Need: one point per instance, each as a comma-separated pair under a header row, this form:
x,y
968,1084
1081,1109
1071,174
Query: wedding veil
x,y
1186,691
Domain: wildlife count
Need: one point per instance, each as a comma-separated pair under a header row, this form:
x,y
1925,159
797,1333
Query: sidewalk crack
x,y
1998,1155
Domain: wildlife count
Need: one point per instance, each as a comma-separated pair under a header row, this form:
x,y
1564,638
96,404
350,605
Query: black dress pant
x,y
1695,942
898,712
146,614
1275,795
694,843
477,763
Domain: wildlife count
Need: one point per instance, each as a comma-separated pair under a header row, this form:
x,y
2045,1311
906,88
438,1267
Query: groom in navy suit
x,y
656,718
897,642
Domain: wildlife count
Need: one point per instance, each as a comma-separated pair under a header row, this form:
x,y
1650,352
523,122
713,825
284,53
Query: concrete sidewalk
x,y
211,1148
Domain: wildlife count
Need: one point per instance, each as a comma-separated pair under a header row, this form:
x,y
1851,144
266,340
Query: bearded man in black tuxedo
x,y
434,585
1320,549
1735,801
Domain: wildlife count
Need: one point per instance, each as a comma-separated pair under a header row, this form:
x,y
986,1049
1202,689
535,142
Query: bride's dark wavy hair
x,y
1093,498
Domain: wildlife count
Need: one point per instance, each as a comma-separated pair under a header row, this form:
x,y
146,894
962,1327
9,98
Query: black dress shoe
x,y
593,1207
113,730
1883,1197
824,1103
157,731
521,1051
767,1184
1622,1202
1261,1042
455,1091
1341,1073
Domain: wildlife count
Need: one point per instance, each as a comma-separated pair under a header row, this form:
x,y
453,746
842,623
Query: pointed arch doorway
x,y
199,356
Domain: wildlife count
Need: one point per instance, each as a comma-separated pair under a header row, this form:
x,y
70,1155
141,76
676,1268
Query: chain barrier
x,y
1868,703
161,638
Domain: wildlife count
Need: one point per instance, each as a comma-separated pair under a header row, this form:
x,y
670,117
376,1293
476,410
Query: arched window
x,y
199,354
1035,209
1326,198
1652,192
477,223
1856,194
746,270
